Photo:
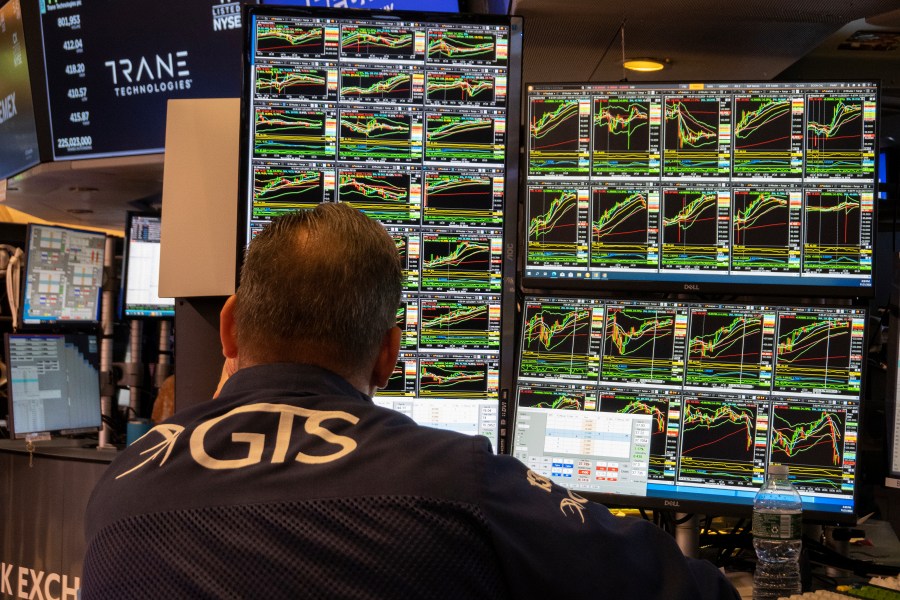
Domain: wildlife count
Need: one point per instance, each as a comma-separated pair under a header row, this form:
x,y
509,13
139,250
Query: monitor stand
x,y
687,534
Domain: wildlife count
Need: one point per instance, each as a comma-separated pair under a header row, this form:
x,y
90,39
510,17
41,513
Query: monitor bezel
x,y
43,324
743,508
645,282
11,425
123,280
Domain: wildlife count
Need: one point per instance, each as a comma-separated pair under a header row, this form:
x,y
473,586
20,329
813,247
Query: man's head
x,y
318,287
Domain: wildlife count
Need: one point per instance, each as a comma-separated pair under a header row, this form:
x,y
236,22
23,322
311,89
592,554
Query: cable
x,y
13,277
621,28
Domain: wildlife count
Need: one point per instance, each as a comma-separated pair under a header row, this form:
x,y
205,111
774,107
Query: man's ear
x,y
387,357
227,333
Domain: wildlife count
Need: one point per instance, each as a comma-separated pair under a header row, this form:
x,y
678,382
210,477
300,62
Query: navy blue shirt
x,y
294,484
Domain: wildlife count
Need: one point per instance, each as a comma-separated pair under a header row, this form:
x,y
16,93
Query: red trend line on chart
x,y
762,204
453,377
285,123
374,188
715,344
692,212
629,341
551,120
753,120
692,132
541,225
698,418
843,114
797,438
280,80
619,213
551,329
618,123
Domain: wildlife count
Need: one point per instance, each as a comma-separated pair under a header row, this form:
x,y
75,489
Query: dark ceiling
x,y
568,41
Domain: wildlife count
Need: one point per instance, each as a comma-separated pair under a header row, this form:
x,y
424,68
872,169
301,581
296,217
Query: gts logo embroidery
x,y
570,505
256,442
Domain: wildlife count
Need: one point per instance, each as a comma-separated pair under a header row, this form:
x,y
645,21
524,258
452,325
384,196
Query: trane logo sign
x,y
146,69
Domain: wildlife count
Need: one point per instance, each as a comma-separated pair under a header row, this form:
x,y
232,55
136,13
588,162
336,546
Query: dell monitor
x,y
681,405
702,187
53,384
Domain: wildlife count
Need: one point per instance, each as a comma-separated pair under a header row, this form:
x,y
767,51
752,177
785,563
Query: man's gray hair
x,y
318,286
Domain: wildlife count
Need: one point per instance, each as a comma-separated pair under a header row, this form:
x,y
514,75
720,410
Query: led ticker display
x,y
718,390
705,187
405,117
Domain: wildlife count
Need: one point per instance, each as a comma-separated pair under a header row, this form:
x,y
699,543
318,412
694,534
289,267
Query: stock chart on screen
x,y
652,401
701,187
405,117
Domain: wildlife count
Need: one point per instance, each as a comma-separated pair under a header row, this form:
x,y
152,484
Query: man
x,y
293,484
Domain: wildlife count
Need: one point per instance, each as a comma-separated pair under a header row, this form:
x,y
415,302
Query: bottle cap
x,y
778,469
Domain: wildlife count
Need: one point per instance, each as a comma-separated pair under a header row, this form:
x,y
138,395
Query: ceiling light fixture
x,y
644,65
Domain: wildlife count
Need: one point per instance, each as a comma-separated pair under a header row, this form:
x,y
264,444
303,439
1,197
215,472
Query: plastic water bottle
x,y
777,520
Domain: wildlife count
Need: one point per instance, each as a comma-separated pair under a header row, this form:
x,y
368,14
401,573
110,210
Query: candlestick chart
x,y
378,41
559,341
373,84
765,131
810,439
557,233
624,233
459,263
280,37
814,354
765,231
459,46
453,378
459,323
690,231
640,345
382,195
377,135
725,349
717,442
457,136
662,445
283,132
463,199
624,141
284,82
833,234
279,189
555,141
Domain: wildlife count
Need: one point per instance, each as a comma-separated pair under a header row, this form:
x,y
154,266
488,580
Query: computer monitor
x,y
680,405
413,119
63,276
140,281
702,187
18,128
53,383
